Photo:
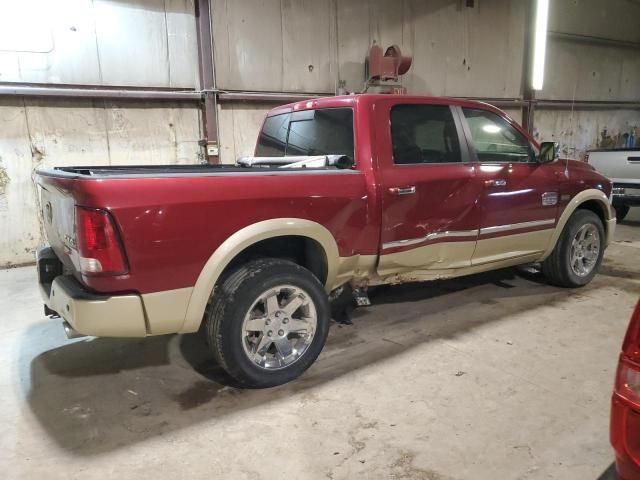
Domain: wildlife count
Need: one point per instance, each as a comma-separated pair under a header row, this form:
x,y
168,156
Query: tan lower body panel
x,y
437,274
454,259
437,256
165,311
355,268
511,246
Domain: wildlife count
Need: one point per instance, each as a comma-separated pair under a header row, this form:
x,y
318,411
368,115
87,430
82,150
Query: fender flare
x,y
243,239
572,206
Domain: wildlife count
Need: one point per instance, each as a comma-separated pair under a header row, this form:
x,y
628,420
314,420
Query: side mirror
x,y
548,152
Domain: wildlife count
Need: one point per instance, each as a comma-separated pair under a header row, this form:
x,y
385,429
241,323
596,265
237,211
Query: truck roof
x,y
351,100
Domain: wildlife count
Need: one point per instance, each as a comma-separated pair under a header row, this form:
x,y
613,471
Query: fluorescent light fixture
x,y
540,43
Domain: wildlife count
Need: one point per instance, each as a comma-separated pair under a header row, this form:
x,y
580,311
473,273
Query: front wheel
x,y
576,257
267,322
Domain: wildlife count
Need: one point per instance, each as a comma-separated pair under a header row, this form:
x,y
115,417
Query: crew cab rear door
x,y
520,196
429,190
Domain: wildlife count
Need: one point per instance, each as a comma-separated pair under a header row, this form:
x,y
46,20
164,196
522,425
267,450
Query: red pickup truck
x,y
407,189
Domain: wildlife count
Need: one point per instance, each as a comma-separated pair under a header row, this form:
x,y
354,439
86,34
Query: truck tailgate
x,y
619,165
57,209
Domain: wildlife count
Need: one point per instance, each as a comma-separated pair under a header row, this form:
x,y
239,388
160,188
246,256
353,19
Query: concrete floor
x,y
495,376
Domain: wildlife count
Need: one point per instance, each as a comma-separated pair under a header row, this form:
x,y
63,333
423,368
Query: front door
x,y
429,190
520,199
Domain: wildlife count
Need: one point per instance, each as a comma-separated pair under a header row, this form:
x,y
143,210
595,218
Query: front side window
x,y
424,134
327,131
495,140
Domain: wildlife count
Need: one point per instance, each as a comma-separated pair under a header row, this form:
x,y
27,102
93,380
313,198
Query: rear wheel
x,y
621,212
267,322
578,253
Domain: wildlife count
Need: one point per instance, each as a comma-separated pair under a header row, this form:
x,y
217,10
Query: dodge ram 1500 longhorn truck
x,y
408,189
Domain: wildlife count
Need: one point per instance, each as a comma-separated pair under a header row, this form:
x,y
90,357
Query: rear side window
x,y
495,140
273,137
327,131
424,134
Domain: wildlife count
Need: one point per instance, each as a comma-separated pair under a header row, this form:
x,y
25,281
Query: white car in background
x,y
622,167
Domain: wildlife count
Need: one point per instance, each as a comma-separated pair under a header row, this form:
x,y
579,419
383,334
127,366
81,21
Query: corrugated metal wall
x,y
583,65
307,46
99,42
79,132
149,43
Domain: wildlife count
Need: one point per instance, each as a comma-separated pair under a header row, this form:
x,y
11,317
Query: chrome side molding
x,y
517,226
431,236
468,234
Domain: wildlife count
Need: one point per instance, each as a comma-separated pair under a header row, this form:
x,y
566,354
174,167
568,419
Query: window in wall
x,y
495,140
424,134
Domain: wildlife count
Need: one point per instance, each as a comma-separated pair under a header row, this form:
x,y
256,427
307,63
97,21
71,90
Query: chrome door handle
x,y
498,182
402,190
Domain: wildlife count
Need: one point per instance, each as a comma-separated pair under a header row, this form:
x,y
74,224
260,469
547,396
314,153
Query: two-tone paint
x,y
377,223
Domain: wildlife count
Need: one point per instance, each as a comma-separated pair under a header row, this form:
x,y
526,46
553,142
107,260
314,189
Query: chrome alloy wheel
x,y
279,327
585,249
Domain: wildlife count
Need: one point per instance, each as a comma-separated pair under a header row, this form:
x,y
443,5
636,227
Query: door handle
x,y
402,190
498,182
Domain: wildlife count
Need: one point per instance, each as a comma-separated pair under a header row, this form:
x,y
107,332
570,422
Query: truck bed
x,y
156,170
202,169
172,218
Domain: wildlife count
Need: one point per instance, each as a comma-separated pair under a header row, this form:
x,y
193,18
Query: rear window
x,y
424,134
327,131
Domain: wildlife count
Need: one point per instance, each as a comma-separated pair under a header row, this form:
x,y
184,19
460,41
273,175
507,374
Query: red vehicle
x,y
357,190
625,404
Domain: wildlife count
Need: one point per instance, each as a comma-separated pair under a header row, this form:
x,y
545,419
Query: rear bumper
x,y
89,313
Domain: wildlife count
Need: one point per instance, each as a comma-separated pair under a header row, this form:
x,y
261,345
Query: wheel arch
x,y
593,200
255,236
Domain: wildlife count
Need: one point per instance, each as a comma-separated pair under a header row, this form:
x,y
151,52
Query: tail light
x,y
625,405
628,381
99,246
631,344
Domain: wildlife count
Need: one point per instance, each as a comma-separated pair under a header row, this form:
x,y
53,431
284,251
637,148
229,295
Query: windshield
x,y
327,131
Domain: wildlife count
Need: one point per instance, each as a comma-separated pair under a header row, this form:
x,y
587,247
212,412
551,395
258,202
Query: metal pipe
x,y
586,104
8,89
71,332
27,90
589,39
499,102
207,79
278,97
527,112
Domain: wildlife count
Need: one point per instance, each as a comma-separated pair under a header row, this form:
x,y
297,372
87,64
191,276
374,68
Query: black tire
x,y
621,212
232,299
557,267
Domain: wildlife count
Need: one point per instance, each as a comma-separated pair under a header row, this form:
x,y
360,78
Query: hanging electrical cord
x,y
573,102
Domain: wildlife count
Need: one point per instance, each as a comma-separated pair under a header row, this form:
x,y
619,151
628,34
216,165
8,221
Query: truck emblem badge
x,y
549,198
